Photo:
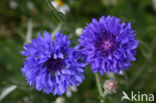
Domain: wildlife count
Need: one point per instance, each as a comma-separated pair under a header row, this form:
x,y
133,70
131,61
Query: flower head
x,y
60,6
108,44
52,66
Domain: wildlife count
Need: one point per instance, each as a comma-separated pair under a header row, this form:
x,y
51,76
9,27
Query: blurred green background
x,y
21,18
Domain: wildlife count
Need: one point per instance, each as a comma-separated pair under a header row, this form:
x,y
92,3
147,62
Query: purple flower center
x,y
54,64
107,44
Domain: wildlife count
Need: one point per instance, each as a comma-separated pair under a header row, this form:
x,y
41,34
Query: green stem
x,y
99,87
57,29
29,31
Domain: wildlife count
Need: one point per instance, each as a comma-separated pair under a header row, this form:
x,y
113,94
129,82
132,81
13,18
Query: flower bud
x,y
154,4
13,4
60,100
78,31
110,86
70,90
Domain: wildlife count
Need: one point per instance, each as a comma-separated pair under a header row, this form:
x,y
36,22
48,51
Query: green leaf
x,y
7,91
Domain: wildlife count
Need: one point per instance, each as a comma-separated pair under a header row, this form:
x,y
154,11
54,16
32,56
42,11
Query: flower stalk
x,y
101,93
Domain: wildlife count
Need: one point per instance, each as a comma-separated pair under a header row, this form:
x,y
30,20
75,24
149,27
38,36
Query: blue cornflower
x,y
52,66
108,44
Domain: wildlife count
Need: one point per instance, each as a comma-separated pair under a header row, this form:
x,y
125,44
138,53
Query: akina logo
x,y
137,97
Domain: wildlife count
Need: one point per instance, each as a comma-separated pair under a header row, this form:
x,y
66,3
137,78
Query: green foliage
x,y
13,30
